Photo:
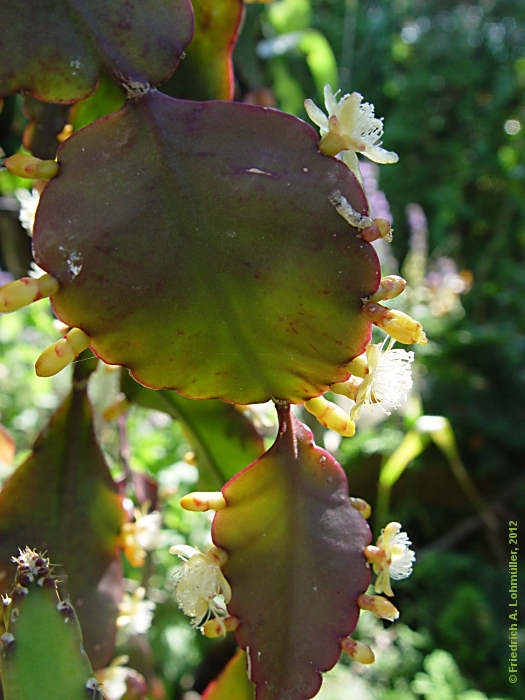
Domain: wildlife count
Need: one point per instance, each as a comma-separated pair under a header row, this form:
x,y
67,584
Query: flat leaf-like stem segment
x,y
207,71
224,440
47,658
62,500
55,49
295,562
195,244
232,682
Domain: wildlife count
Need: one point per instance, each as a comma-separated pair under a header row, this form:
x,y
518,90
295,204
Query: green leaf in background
x,y
295,562
232,683
107,98
320,59
46,660
62,500
206,73
290,15
223,439
137,41
216,265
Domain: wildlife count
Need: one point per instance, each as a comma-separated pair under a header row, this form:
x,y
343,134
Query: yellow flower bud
x,y
396,323
201,501
61,353
358,651
390,286
217,627
380,228
28,166
381,607
26,290
362,506
330,416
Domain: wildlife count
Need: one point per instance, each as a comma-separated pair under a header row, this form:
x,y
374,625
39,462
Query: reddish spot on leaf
x,y
207,220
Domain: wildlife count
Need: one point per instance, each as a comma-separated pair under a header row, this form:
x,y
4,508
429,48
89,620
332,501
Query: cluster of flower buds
x,y
390,557
32,568
381,375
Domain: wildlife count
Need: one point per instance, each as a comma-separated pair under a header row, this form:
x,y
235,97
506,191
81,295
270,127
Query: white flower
x,y
201,590
393,558
388,381
148,530
349,126
114,682
135,613
142,535
28,204
114,679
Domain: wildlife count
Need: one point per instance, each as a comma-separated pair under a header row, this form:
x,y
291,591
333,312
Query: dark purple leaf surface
x,y
296,564
195,244
55,49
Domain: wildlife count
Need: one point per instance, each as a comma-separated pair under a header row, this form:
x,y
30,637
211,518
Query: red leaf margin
x,y
294,592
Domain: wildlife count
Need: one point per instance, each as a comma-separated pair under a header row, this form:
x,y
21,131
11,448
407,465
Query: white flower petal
x,y
184,551
330,100
201,588
316,115
380,155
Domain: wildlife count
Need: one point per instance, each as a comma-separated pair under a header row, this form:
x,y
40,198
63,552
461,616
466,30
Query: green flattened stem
x,y
41,649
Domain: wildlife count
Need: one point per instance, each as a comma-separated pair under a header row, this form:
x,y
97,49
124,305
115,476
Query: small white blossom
x,y
142,535
28,205
135,613
148,530
350,126
396,558
113,680
201,590
389,379
114,683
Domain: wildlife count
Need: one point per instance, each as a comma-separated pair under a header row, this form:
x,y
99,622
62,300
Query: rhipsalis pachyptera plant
x,y
221,253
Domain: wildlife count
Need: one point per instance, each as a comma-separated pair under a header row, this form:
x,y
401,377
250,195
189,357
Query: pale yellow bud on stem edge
x,y
218,627
379,606
62,353
201,501
362,506
390,287
358,651
396,323
28,166
380,228
331,416
25,291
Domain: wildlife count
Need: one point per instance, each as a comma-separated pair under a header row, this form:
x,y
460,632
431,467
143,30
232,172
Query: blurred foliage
x,y
449,79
